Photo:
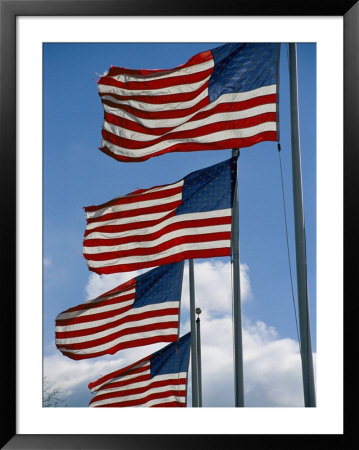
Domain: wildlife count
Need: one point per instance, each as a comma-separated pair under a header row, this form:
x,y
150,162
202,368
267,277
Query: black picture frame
x,y
9,10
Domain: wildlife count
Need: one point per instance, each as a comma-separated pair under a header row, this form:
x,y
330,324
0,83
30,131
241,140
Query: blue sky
x,y
77,174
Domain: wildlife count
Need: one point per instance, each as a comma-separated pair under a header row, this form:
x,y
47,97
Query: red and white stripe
x,y
141,230
151,112
109,323
133,386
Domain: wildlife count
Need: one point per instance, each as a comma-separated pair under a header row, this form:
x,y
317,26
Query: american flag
x,y
222,98
155,381
187,219
142,311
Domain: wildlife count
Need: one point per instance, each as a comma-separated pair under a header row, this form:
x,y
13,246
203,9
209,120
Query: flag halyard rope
x,y
287,242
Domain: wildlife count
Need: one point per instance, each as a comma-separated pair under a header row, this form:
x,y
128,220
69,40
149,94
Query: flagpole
x,y
198,330
237,316
303,307
194,360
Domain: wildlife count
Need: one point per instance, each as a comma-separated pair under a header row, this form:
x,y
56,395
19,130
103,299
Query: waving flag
x,y
222,98
187,219
155,381
142,311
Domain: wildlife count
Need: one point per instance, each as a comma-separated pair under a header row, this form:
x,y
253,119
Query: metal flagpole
x,y
198,329
237,319
303,307
194,360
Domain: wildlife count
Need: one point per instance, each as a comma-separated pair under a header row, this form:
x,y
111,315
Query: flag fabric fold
x,y
149,227
142,311
158,380
222,98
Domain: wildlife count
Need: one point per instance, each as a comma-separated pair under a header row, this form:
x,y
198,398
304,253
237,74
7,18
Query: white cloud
x,y
213,287
272,367
72,377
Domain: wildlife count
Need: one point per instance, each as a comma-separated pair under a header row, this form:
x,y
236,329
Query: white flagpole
x,y
303,307
198,312
237,316
194,359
